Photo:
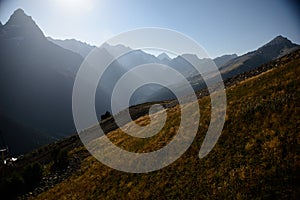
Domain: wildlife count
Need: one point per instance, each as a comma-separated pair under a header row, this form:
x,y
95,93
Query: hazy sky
x,y
220,26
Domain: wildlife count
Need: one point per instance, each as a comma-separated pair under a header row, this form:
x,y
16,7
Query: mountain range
x,y
76,46
229,65
38,73
256,156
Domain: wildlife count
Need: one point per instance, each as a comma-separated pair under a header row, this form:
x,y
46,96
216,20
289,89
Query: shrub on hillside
x,y
61,160
32,175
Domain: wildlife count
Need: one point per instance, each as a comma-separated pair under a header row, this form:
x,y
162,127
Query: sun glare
x,y
76,5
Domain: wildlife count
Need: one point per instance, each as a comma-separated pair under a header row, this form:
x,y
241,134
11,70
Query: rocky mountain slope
x,y
276,48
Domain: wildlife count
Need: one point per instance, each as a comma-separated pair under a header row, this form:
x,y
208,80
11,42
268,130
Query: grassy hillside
x,y
257,155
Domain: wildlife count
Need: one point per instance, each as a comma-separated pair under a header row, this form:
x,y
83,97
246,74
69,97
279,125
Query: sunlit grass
x,y
257,155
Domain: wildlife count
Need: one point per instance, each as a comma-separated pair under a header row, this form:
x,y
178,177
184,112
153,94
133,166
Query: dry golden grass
x,y
257,155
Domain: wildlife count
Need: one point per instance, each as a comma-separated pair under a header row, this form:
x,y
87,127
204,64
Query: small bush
x,y
106,115
32,175
61,160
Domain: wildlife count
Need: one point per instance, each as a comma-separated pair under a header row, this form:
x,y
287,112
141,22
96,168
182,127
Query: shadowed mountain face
x,y
276,48
20,138
36,79
36,83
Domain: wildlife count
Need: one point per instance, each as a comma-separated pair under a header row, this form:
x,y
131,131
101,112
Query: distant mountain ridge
x,y
229,65
276,48
76,46
219,61
232,65
83,49
163,56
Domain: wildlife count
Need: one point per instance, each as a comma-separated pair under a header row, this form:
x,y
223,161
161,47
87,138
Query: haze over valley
x,y
44,156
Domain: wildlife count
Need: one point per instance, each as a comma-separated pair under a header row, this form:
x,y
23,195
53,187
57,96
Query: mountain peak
x,y
279,40
18,17
20,24
163,56
278,45
280,37
19,11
